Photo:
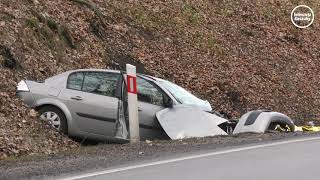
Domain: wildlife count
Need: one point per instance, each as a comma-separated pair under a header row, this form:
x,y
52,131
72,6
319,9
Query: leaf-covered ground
x,y
238,54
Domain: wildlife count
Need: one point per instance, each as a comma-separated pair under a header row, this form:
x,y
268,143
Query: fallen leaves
x,y
238,55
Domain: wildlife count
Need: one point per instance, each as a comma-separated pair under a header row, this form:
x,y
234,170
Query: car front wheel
x,y
54,117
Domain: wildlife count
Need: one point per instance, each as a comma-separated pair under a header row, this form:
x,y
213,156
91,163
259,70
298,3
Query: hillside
x,y
238,54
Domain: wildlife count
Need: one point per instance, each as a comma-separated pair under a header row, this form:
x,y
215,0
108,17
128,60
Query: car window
x,y
147,92
182,95
75,81
100,83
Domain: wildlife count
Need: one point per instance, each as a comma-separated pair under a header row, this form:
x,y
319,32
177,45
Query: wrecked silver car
x,y
92,103
86,103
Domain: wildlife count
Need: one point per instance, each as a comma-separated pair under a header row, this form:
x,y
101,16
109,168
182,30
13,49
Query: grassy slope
x,y
240,55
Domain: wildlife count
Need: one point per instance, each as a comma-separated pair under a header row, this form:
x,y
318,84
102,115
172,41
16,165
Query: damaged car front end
x,y
92,104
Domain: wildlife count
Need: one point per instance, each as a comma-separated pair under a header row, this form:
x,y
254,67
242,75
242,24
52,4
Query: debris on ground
x,y
183,121
260,121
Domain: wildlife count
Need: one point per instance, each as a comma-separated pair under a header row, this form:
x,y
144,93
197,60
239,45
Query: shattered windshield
x,y
182,95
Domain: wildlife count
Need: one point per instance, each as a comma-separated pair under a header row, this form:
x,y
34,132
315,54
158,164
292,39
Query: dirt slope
x,y
238,54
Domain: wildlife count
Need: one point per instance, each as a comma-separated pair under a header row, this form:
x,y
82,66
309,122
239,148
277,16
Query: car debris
x,y
183,121
259,121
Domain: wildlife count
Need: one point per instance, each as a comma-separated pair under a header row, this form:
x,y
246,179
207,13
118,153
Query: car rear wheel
x,y
54,117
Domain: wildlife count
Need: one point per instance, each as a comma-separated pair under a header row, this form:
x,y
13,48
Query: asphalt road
x,y
293,159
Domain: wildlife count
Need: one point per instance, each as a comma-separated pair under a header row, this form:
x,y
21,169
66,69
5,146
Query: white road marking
x,y
187,158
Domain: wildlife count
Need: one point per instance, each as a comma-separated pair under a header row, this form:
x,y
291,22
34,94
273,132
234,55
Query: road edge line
x,y
187,158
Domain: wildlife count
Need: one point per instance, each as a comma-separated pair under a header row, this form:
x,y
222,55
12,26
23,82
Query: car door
x,y
90,96
150,101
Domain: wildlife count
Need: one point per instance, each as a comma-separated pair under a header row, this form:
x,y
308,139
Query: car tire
x,y
52,111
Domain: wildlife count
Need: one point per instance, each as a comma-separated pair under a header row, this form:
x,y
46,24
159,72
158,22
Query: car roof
x,y
96,70
115,71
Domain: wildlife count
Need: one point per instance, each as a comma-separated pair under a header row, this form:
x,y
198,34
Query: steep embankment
x,y
240,55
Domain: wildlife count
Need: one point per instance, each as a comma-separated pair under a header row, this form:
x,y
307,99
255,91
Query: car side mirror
x,y
168,103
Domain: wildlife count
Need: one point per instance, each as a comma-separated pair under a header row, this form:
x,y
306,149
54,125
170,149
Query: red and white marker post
x,y
132,104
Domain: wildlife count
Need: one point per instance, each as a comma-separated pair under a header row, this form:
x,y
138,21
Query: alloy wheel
x,y
52,118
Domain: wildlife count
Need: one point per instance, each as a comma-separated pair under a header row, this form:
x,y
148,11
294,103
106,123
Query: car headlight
x,y
22,86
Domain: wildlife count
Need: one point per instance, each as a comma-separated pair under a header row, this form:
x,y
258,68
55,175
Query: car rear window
x,y
100,83
75,81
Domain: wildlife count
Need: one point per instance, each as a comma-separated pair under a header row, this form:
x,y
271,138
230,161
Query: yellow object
x,y
311,128
307,128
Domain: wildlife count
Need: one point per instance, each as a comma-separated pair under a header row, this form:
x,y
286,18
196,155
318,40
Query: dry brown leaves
x,y
239,55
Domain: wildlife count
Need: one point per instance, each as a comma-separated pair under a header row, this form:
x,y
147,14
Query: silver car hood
x,y
184,121
204,105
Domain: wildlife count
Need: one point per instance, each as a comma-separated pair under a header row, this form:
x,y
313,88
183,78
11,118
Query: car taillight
x,y
22,86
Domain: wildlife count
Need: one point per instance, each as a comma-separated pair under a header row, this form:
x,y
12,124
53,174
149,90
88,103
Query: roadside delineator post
x,y
132,104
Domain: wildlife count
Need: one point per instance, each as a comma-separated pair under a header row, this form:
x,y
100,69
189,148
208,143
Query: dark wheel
x,y
55,117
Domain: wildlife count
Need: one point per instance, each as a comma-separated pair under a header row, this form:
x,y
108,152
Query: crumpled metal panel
x,y
121,127
259,121
183,121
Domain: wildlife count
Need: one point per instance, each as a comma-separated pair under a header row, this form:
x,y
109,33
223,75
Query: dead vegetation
x,y
7,59
94,8
240,55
